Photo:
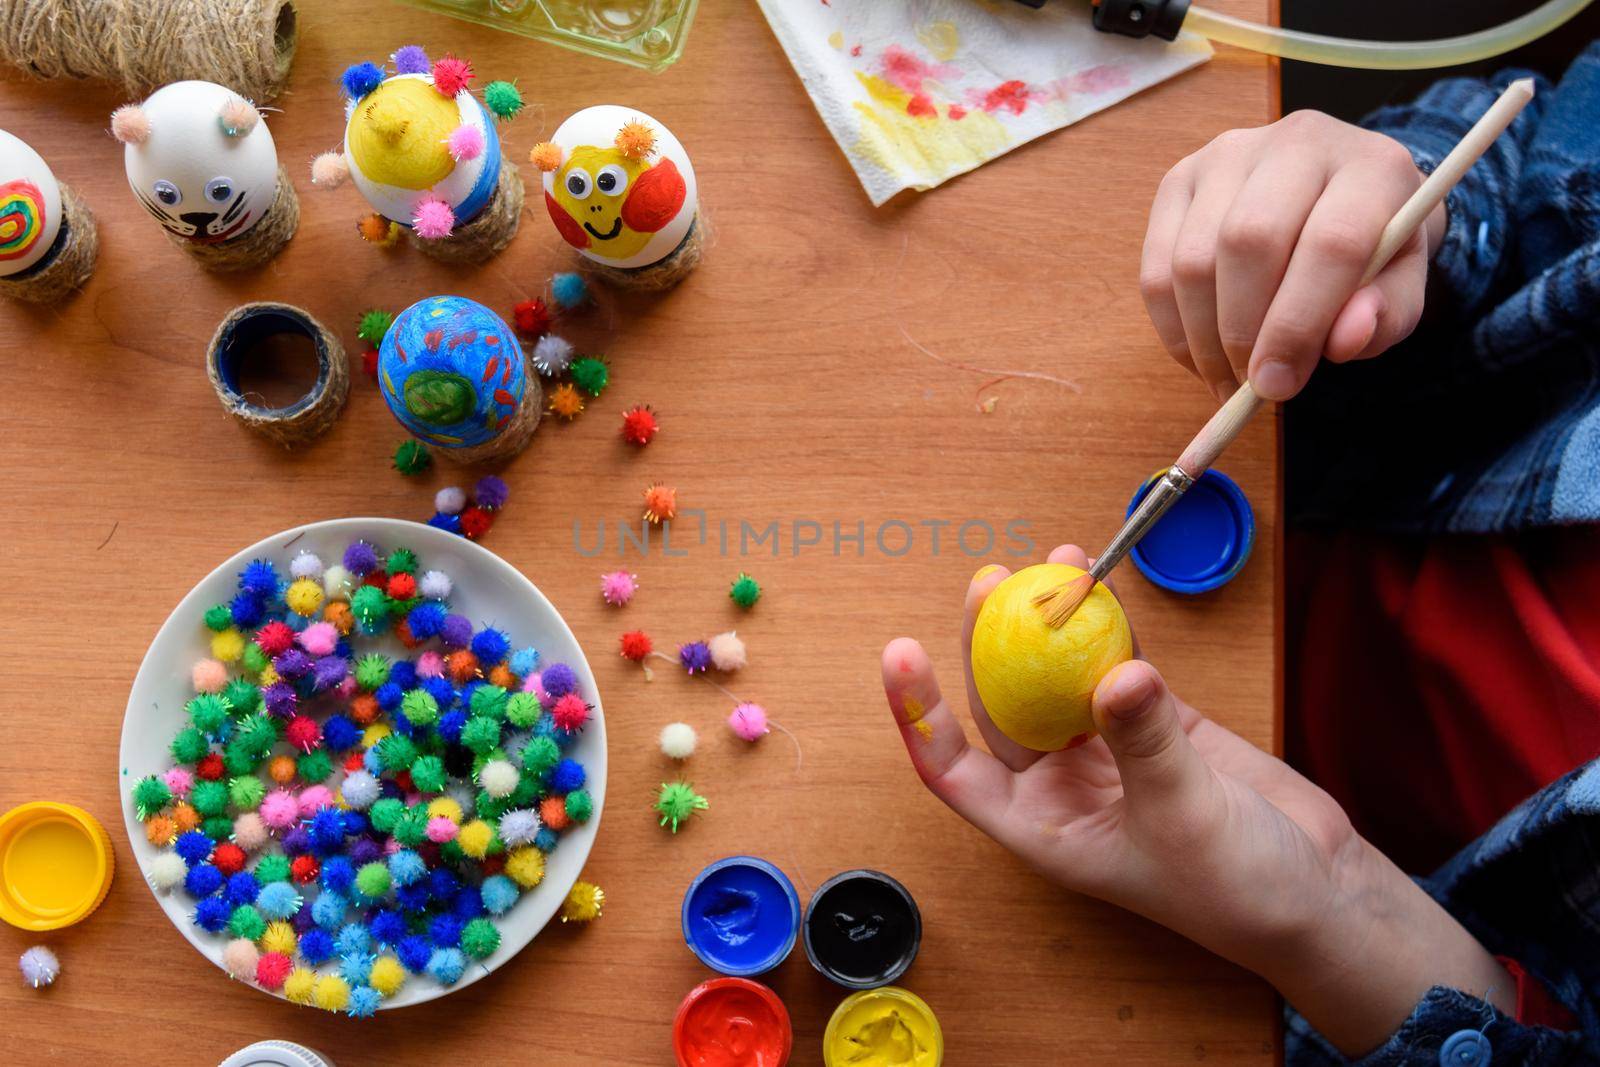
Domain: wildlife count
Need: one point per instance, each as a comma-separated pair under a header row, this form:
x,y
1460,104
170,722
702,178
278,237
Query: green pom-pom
x,y
490,808
150,795
208,712
580,805
372,670
240,759
209,798
481,734
489,701
411,829
676,802
451,853
745,591
397,752
373,326
314,766
385,813
401,561
590,374
218,618
530,788
503,99
218,827
522,710
245,792
420,708
255,734
540,754
246,922
243,695
189,746
412,457
479,939
370,606
372,880
255,660
273,868
428,774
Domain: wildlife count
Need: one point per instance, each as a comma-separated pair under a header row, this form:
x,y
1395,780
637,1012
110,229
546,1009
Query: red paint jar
x,y
732,1022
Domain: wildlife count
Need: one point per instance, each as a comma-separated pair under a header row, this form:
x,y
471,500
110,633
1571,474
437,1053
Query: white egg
x,y
30,206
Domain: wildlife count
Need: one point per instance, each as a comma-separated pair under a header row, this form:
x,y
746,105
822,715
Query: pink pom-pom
x,y
209,676
279,810
130,124
749,721
451,75
617,587
240,958
348,687
330,170
532,684
433,219
570,712
250,831
441,829
465,142
179,780
727,652
313,797
430,665
237,117
319,639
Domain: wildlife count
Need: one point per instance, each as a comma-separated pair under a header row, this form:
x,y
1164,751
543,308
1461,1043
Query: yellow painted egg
x,y
1036,682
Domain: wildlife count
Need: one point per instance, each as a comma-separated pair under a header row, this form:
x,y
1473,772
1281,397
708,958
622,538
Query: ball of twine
x,y
69,262
487,233
141,45
513,438
306,418
664,273
257,244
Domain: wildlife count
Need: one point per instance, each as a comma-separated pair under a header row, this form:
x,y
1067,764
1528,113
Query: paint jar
x,y
888,1027
276,1054
1203,541
55,865
732,1022
741,916
862,929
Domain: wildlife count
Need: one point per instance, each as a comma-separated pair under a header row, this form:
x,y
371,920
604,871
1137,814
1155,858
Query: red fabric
x,y
1536,1005
1435,683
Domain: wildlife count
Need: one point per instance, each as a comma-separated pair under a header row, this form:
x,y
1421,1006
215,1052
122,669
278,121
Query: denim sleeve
x,y
1482,207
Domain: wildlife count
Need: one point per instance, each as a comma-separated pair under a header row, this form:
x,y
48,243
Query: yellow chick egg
x,y
1036,682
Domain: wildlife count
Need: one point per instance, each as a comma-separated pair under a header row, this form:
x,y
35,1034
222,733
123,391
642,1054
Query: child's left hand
x,y
1170,815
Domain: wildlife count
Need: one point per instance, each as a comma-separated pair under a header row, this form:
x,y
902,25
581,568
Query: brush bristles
x,y
1062,602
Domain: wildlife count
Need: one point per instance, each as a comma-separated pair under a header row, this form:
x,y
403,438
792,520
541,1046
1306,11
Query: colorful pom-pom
x,y
412,457
331,993
591,374
272,969
678,740
583,903
531,317
491,492
387,975
570,712
636,645
565,401
749,721
744,591
546,155
433,219
450,500
569,290
727,652
237,117
239,958
410,59
130,124
451,75
635,140
475,523
374,325
503,99
519,826
385,233
464,142
551,355
524,866
616,587
498,778
298,986
480,938
677,802
446,965
639,425
695,657
360,79
167,872
208,676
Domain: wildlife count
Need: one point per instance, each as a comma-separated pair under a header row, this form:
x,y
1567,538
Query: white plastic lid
x,y
276,1054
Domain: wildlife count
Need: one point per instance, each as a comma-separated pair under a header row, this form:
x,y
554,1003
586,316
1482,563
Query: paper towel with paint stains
x,y
918,91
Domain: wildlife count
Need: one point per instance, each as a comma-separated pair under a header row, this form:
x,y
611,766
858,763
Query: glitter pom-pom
x,y
130,124
749,721
565,401
678,740
475,523
498,778
305,565
694,656
410,59
744,591
451,75
450,500
412,457
616,587
464,142
239,958
570,712
499,894
237,117
639,425
330,993
491,492
433,219
446,965
677,802
503,99
360,79
39,966
551,355
635,140
167,871
546,155
273,969
435,585
636,645
727,652
660,503
480,938
569,290
519,826
583,904
531,317
385,233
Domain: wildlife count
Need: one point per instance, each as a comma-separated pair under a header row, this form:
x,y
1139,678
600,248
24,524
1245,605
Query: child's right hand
x,y
1256,245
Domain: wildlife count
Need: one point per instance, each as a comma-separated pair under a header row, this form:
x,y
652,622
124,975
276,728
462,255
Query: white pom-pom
x,y
306,565
678,740
450,500
435,584
167,871
551,355
249,832
498,778
727,651
39,966
330,170
360,790
338,583
519,827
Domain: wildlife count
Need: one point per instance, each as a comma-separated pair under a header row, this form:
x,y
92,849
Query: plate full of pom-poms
x,y
362,764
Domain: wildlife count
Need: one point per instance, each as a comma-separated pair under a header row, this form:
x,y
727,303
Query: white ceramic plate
x,y
487,590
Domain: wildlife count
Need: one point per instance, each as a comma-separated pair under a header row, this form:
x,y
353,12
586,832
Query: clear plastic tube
x,y
1383,55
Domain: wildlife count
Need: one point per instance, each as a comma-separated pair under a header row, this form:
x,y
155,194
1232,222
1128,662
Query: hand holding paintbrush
x,y
1061,602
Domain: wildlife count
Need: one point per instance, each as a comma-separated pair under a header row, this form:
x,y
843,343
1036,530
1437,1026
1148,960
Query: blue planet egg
x,y
451,371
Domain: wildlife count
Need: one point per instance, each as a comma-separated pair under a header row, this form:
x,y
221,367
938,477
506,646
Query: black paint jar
x,y
862,929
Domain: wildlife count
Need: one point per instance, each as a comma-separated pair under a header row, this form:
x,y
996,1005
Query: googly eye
x,y
218,190
611,180
167,193
579,184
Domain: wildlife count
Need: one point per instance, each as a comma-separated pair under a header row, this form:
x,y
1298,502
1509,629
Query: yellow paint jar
x,y
55,865
885,1027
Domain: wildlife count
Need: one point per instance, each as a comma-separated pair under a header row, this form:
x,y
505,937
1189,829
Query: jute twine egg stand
x,y
513,437
240,332
256,245
664,273
69,262
489,232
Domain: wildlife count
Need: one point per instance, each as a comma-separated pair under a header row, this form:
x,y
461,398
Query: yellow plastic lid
x,y
55,865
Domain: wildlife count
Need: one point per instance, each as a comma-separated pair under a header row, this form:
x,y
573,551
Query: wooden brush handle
x,y
1219,432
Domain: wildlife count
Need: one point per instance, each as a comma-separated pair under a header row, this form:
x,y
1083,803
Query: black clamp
x,y
1141,18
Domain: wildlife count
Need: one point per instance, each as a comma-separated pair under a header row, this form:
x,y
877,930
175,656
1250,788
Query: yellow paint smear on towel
x,y
940,38
924,149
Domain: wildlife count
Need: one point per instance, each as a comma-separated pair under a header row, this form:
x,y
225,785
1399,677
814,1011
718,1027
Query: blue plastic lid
x,y
741,916
1203,541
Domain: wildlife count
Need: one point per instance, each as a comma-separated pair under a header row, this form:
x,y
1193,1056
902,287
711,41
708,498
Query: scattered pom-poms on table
x,y
618,587
569,290
531,317
412,457
40,967
551,355
745,591
636,645
584,903
660,503
472,518
749,721
639,425
565,400
678,740
676,803
344,819
727,652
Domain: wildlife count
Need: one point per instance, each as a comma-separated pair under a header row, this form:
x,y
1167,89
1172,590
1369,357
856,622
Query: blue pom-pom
x,y
450,724
248,611
388,696
316,944
524,661
340,734
401,724
425,619
563,738
407,868
695,657
371,763
242,888
412,898
327,911
296,622
354,967
568,289
447,523
490,646
355,822
194,846
359,80
445,930
545,840
567,776
499,894
259,578
411,59
558,679
388,927
414,952
327,830
446,965
277,900
338,874
440,689
442,884
203,880
212,914
468,903
403,674
363,1003
351,939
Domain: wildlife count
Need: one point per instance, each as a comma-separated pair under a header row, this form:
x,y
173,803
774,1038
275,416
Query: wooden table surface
x,y
788,393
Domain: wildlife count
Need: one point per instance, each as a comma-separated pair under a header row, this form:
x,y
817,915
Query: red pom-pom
x,y
210,767
451,75
369,362
403,780
639,425
402,630
492,865
636,645
275,639
354,762
402,586
271,970
532,317
570,712
305,869
228,858
303,733
377,578
475,522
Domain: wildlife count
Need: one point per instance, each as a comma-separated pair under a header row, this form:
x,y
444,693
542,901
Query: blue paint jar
x,y
1203,541
741,916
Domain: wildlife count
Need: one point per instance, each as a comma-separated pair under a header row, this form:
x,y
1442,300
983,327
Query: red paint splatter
x,y
906,71
1099,79
1012,95
919,106
957,111
856,51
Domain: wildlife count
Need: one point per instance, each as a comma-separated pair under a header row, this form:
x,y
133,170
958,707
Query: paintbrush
x,y
1060,603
